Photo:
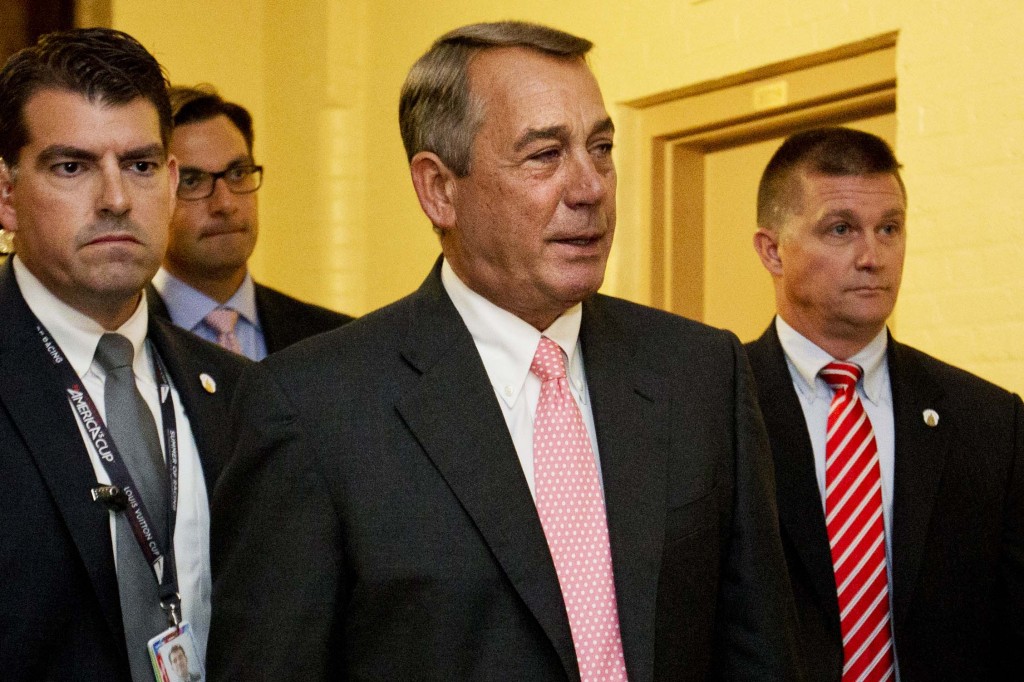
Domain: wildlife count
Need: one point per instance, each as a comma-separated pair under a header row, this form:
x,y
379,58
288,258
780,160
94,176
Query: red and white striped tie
x,y
856,530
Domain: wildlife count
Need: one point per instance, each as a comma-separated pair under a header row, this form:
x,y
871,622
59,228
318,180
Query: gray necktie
x,y
131,425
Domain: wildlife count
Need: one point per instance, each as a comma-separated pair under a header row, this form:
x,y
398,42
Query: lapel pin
x,y
931,417
208,383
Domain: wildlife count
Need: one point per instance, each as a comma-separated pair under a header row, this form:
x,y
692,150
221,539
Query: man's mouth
x,y
579,240
114,238
226,229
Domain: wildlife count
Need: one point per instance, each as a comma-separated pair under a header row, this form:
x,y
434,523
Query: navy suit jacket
x,y
60,615
375,523
285,320
958,520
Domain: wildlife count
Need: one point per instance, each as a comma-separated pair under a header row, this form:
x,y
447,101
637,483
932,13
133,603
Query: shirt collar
x,y
507,343
808,359
188,306
76,333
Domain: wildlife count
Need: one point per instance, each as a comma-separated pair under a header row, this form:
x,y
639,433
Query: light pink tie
x,y
571,510
223,321
856,530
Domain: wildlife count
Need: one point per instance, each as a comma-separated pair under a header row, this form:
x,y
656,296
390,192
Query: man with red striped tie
x,y
900,479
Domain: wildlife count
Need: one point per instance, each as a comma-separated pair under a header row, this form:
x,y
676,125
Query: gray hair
x,y
438,113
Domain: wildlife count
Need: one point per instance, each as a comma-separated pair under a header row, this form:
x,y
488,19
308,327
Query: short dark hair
x,y
436,111
827,151
101,64
202,102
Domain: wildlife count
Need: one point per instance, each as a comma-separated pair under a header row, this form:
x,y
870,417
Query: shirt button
x,y
508,391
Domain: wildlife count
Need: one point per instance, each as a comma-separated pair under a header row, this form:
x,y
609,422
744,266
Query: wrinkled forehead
x,y
497,71
517,88
58,113
807,189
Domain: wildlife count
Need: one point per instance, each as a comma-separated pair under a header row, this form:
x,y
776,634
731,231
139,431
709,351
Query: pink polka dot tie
x,y
571,509
223,321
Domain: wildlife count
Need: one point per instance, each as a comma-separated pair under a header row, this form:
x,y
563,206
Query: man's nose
x,y
588,184
114,196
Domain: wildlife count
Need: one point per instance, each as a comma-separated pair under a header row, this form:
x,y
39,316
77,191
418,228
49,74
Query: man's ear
x,y
766,243
8,216
435,188
172,177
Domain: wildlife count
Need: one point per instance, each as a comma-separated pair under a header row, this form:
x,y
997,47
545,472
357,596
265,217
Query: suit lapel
x,y
270,321
155,303
33,396
207,424
920,459
796,481
633,439
480,463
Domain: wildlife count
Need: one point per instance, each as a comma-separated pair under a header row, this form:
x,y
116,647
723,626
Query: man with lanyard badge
x,y
111,422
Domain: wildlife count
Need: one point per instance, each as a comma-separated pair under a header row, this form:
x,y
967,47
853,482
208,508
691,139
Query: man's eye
x,y
841,228
69,168
238,174
547,155
144,167
603,149
189,180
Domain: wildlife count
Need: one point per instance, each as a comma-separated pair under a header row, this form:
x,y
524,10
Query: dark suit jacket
x,y
285,320
60,618
958,520
377,524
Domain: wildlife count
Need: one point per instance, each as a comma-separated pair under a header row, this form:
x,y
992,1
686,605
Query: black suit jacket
x,y
60,616
285,320
958,520
377,525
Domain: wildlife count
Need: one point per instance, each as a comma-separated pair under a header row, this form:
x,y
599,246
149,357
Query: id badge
x,y
174,656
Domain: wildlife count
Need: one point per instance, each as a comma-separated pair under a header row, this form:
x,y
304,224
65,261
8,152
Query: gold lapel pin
x,y
208,383
931,417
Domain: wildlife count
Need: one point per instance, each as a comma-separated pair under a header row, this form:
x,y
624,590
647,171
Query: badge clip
x,y
173,616
110,496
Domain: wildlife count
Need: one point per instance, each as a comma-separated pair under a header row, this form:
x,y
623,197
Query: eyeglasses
x,y
195,184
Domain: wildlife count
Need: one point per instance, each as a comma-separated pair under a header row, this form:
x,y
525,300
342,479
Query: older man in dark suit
x,y
205,285
504,475
112,423
900,479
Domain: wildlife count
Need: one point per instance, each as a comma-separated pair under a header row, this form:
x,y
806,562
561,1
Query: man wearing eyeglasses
x,y
205,285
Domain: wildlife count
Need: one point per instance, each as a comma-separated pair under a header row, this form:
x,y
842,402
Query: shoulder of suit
x,y
763,347
299,307
191,348
951,377
646,321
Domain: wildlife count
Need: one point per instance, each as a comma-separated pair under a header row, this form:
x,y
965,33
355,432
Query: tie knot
x,y
548,362
113,352
222,320
841,375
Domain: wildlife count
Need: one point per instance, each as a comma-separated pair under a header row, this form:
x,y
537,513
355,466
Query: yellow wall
x,y
341,224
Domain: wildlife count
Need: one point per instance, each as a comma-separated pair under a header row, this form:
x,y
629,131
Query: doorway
x,y
708,145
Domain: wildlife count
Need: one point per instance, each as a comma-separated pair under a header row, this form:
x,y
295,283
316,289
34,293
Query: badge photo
x,y
174,656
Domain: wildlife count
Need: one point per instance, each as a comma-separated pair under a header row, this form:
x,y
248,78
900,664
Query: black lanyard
x,y
160,558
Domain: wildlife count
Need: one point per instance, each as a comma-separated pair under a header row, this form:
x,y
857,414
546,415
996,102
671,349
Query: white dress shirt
x,y
805,360
78,335
507,345
188,306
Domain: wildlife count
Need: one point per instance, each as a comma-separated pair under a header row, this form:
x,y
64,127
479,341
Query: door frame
x,y
675,131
